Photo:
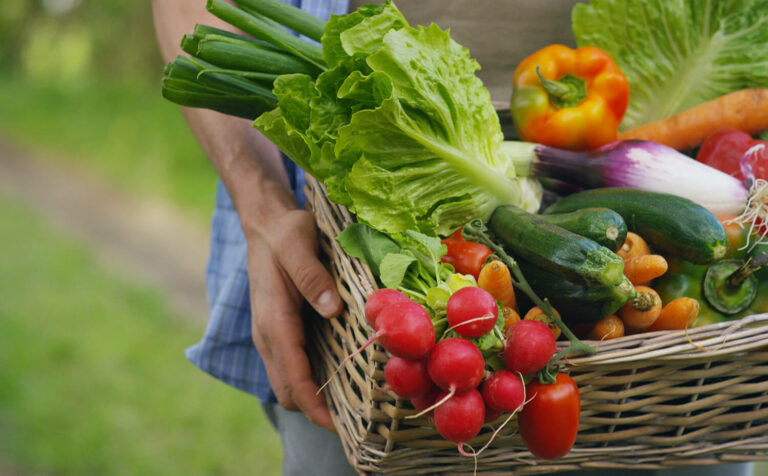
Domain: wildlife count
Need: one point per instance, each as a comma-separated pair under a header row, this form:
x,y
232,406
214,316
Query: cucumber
x,y
555,249
574,301
674,225
602,225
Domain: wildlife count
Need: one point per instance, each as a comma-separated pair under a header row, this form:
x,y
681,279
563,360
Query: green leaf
x,y
393,268
678,54
362,241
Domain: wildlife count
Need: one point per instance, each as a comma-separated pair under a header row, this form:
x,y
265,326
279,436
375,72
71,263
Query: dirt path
x,y
147,240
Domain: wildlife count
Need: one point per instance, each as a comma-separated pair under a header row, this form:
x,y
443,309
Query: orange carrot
x,y
495,278
642,269
537,314
510,316
635,245
609,327
743,110
677,314
641,312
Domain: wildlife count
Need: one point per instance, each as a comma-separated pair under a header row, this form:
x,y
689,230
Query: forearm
x,y
250,166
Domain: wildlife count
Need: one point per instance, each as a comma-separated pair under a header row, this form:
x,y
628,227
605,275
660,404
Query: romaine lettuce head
x,y
678,54
400,129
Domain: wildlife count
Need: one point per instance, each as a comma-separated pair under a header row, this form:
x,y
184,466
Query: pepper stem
x,y
752,264
476,231
568,91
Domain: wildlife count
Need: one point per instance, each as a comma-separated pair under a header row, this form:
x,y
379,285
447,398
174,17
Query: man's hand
x,y
284,270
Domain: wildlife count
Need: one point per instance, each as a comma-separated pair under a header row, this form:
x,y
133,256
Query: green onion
x,y
267,30
231,53
294,18
203,31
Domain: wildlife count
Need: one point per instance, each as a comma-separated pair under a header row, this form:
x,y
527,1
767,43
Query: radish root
x,y
346,359
435,405
755,213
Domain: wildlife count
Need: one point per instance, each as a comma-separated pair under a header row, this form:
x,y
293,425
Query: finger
x,y
297,255
290,356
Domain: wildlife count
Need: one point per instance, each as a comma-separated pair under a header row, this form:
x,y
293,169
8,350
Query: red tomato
x,y
549,422
467,257
725,148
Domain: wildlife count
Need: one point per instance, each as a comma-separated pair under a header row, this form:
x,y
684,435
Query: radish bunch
x,y
462,385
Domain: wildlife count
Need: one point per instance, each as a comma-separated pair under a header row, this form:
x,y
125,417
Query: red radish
x,y
407,378
380,299
456,365
472,312
425,401
461,417
490,414
503,391
529,346
405,330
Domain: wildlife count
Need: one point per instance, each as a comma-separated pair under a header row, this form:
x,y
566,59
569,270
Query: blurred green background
x,y
93,379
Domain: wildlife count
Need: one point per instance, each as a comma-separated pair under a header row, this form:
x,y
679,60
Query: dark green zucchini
x,y
574,301
602,225
572,256
674,225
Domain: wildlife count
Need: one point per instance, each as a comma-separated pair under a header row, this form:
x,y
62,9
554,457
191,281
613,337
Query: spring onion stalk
x,y
267,30
294,18
203,31
230,53
186,84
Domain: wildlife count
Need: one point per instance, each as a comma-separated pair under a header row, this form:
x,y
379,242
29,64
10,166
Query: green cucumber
x,y
566,254
602,225
674,225
574,301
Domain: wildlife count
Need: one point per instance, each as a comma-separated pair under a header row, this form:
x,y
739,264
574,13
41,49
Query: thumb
x,y
298,258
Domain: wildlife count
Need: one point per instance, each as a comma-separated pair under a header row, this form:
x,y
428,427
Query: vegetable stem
x,y
476,231
294,18
265,29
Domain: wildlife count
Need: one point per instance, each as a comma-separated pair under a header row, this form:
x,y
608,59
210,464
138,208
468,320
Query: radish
x,y
461,417
503,391
407,378
405,330
529,346
380,299
456,365
472,312
422,402
491,414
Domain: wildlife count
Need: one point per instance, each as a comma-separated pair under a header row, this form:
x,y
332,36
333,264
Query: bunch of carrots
x,y
645,313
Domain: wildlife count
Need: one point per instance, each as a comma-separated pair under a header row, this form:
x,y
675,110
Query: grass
x,y
93,379
125,132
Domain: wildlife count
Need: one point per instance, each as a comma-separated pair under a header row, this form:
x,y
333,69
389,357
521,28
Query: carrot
x,y
537,314
641,312
634,245
677,314
495,278
510,316
609,327
642,269
744,110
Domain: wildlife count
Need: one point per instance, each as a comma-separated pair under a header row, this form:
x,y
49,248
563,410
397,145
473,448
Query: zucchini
x,y
602,225
674,225
555,249
574,301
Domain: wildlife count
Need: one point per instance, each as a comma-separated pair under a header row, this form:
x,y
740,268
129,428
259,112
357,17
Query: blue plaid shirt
x,y
226,350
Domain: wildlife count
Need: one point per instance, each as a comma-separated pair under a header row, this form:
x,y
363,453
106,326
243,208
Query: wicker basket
x,y
653,400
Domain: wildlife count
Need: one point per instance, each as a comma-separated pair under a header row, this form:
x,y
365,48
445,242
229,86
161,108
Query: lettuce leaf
x,y
678,54
399,128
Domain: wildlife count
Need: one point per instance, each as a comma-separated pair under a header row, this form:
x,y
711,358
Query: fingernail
x,y
326,303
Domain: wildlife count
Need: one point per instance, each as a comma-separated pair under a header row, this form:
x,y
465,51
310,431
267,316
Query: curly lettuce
x,y
399,128
678,54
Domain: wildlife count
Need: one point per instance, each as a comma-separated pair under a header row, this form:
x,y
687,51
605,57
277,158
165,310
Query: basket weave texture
x,y
654,400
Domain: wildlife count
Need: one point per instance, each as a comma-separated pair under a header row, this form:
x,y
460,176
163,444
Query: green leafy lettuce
x,y
399,128
678,54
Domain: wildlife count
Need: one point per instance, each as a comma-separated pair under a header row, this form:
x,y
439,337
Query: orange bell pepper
x,y
573,99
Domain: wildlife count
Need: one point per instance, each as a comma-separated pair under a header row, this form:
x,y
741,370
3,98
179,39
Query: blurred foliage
x,y
75,39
